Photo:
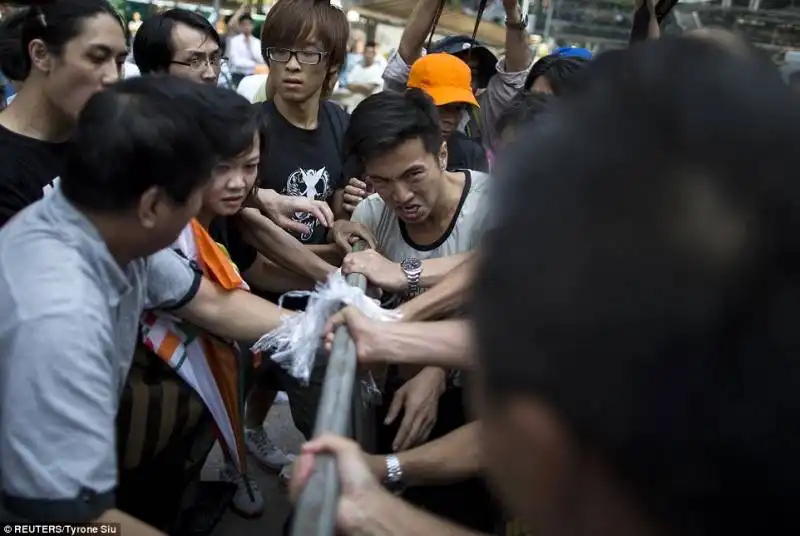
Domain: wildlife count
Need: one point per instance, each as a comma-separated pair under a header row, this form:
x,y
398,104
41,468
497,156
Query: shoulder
x,y
337,113
45,271
479,181
369,210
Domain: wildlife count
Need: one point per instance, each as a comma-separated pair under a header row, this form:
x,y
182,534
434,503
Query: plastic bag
x,y
295,342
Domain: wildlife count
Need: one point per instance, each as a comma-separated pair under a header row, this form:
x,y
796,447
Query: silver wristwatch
x,y
412,268
394,474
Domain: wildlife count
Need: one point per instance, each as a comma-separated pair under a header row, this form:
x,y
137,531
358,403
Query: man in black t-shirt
x,y
304,43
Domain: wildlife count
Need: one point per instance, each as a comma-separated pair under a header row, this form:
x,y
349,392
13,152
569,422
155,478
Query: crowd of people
x,y
591,259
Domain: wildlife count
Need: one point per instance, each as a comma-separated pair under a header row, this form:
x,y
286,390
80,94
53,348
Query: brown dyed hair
x,y
291,20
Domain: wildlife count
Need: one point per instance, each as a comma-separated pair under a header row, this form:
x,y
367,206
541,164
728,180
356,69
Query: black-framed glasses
x,y
198,63
306,57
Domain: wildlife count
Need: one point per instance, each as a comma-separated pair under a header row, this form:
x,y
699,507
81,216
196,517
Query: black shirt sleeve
x,y
226,232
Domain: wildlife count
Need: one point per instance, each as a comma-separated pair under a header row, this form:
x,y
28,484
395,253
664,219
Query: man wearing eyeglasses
x,y
244,51
181,43
305,44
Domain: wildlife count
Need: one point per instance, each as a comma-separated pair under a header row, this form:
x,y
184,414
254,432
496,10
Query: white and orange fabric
x,y
209,365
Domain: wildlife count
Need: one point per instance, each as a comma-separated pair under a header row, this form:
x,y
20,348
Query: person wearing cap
x,y
496,82
448,81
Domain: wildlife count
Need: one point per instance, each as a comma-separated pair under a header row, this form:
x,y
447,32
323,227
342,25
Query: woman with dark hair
x,y
72,50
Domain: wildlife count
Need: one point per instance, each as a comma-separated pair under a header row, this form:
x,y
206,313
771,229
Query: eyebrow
x,y
408,170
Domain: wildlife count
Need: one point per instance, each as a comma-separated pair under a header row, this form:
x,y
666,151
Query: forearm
x,y
436,270
231,314
447,460
382,514
418,27
281,247
364,89
266,275
442,299
330,253
446,344
518,50
645,22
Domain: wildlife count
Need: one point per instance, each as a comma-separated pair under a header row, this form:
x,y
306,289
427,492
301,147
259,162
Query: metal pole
x,y
217,6
548,21
315,514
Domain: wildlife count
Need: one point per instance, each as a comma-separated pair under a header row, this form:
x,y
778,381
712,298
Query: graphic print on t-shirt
x,y
313,184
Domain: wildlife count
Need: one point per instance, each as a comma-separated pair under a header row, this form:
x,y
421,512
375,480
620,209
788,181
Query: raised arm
x,y
511,72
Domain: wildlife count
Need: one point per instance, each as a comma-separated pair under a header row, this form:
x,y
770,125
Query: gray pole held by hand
x,y
315,514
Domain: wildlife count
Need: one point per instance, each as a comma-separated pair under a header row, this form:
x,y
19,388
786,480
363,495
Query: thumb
x,y
395,407
343,243
334,322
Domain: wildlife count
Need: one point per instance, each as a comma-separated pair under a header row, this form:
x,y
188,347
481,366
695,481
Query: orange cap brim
x,y
443,95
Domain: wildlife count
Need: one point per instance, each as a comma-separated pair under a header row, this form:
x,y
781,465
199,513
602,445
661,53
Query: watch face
x,y
411,265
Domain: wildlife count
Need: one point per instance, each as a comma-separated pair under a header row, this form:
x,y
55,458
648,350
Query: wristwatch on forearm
x,y
412,268
394,475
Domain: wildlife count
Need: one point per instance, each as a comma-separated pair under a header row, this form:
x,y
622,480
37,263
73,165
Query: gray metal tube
x,y
315,514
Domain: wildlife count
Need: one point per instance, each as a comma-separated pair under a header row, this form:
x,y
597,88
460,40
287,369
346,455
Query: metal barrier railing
x,y
342,411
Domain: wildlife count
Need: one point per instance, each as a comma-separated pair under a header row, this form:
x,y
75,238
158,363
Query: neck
x,y
119,241
452,188
205,217
300,114
33,115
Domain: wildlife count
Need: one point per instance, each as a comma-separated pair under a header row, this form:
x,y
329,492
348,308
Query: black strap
x,y
478,17
439,10
663,8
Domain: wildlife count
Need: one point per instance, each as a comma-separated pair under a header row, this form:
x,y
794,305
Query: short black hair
x,y
524,109
154,130
654,304
245,17
57,23
153,48
12,58
558,70
386,120
370,44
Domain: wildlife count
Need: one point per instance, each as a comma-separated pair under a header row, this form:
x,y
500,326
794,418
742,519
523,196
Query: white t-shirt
x,y
367,75
463,235
244,54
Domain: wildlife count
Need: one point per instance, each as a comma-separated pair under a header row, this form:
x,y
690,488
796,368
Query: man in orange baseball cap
x,y
448,81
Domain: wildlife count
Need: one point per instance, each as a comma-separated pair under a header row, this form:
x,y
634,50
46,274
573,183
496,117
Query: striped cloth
x,y
210,366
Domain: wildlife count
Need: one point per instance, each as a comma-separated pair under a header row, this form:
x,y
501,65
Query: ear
x,y
150,205
443,156
39,55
